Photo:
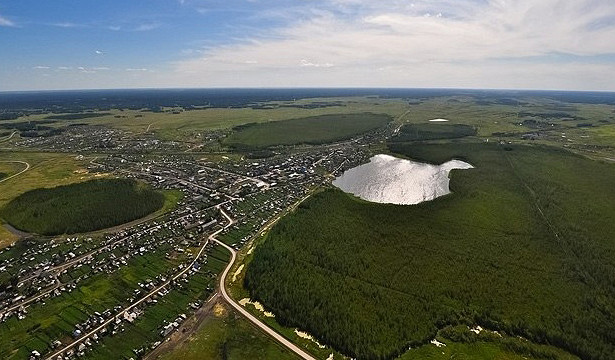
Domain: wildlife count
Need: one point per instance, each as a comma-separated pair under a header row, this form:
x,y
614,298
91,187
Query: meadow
x,y
81,207
227,335
523,246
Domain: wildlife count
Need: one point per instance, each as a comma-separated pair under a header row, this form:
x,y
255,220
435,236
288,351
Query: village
x,y
173,247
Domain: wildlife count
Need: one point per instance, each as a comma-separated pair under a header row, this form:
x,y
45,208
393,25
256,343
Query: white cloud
x,y
136,69
99,52
67,25
40,67
307,63
500,43
6,22
147,27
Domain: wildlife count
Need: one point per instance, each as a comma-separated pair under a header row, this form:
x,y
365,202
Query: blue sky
x,y
546,44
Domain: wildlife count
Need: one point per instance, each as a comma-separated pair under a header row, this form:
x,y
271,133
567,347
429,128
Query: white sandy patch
x,y
438,120
390,180
258,306
330,357
477,329
304,335
236,273
437,343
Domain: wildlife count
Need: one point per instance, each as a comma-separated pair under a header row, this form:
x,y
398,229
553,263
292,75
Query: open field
x,y
82,207
46,170
227,335
521,246
310,130
180,124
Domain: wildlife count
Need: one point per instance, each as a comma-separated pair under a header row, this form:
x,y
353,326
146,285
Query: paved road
x,y
19,173
292,347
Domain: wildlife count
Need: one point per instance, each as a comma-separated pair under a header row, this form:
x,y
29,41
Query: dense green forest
x,y
310,130
77,116
81,207
524,245
420,132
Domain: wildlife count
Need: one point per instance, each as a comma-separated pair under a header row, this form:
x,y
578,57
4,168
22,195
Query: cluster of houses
x,y
252,192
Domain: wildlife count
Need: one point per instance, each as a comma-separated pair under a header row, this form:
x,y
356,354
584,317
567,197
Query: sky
x,y
503,44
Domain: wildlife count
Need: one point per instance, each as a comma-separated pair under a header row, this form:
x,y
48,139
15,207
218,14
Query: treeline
x,y
423,132
372,279
77,116
310,130
81,207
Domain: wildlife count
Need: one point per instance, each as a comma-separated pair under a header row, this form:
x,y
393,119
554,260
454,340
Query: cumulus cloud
x,y
492,43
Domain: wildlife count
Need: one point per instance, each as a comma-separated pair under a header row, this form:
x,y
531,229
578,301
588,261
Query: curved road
x,y
19,173
289,345
292,347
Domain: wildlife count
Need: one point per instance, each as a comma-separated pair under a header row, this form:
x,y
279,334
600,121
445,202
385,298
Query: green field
x,y
523,246
229,336
310,130
81,207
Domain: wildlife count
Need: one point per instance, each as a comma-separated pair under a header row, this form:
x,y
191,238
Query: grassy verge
x,y
228,335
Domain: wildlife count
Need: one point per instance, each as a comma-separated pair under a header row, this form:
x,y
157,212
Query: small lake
x,y
387,179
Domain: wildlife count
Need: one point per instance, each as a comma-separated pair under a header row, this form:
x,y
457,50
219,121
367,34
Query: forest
x,y
81,207
523,245
420,132
310,130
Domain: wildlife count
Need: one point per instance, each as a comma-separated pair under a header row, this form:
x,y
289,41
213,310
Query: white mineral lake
x,y
390,180
438,120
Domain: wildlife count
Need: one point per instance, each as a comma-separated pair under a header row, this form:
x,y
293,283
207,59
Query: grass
x,y
46,170
310,130
396,274
81,207
56,319
188,124
227,335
